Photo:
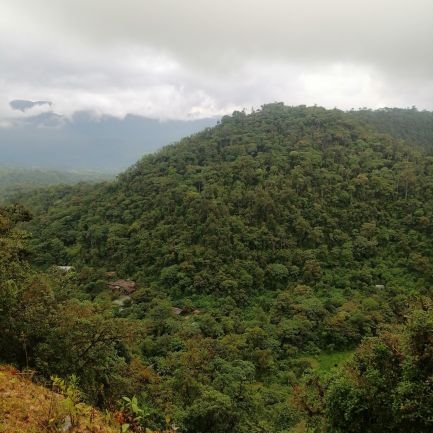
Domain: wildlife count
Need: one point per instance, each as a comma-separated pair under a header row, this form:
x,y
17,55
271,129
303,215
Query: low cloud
x,y
198,58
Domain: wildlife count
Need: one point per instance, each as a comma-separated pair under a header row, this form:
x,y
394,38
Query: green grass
x,y
328,361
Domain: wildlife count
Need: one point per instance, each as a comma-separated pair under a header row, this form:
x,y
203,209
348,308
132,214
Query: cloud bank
x,y
173,59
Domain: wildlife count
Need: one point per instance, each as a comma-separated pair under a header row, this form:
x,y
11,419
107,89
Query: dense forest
x,y
411,125
18,179
280,270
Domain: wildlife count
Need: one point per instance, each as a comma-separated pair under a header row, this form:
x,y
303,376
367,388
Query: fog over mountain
x,y
86,141
128,62
197,59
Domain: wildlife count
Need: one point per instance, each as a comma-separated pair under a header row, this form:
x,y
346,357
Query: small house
x,y
123,287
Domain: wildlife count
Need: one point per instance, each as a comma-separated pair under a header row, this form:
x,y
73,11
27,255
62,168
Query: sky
x,y
190,59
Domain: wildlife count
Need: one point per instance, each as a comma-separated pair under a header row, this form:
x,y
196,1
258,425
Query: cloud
x,y
5,124
24,105
195,58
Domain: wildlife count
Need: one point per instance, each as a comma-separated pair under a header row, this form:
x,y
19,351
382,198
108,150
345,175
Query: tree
x,y
386,387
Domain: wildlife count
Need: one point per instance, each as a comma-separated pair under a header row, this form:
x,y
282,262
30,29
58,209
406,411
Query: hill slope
x,y
29,408
411,125
263,249
283,195
17,179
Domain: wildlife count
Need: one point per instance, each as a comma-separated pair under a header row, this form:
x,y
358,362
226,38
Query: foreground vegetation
x,y
29,408
283,262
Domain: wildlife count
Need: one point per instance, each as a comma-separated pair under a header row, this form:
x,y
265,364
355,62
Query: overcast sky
x,y
199,58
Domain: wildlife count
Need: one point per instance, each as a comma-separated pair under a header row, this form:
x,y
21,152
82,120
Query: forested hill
x,y
17,179
280,196
282,267
411,125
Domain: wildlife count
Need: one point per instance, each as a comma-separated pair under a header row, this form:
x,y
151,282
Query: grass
x,y
328,361
29,408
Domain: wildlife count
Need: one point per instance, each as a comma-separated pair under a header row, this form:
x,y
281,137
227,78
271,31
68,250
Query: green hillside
x,y
299,195
14,180
411,125
283,270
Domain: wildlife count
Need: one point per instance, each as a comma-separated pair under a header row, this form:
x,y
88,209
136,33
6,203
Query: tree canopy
x,y
263,252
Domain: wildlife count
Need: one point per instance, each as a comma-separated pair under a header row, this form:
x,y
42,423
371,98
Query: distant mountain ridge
x,y
18,179
108,143
89,142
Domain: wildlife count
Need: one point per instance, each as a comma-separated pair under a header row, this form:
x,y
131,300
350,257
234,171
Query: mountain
x,y
281,195
88,142
15,179
278,273
411,125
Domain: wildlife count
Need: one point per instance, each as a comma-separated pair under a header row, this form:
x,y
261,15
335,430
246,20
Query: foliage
x,y
43,325
411,125
26,407
264,250
283,195
14,180
386,387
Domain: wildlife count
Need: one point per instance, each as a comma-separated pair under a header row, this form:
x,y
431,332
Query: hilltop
x,y
285,194
413,126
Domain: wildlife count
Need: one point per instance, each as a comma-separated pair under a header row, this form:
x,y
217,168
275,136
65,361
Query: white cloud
x,y
196,58
340,85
